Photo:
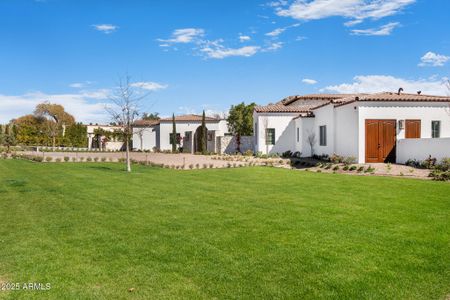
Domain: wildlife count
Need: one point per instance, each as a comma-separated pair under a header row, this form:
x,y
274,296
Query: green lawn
x,y
93,231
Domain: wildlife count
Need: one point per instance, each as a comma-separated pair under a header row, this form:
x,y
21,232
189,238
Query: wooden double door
x,y
380,141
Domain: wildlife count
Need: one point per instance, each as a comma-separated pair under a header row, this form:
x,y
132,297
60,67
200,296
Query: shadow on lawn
x,y
103,168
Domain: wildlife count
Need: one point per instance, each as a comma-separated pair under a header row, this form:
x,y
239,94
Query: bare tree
x,y
311,140
126,99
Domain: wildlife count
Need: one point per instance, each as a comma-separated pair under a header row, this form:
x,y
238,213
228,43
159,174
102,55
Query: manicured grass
x,y
93,231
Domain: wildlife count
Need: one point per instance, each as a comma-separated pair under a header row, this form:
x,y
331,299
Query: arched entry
x,y
197,138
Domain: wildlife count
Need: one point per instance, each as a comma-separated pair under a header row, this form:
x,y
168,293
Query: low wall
x,y
421,149
228,145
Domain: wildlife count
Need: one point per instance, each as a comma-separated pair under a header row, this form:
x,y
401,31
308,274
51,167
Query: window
x,y
270,136
177,141
435,129
323,135
298,134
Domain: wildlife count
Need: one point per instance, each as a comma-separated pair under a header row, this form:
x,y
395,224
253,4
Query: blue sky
x,y
195,55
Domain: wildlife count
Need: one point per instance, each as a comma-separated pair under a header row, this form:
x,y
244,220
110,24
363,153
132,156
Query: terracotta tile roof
x,y
394,97
326,97
308,103
146,122
284,109
305,103
190,118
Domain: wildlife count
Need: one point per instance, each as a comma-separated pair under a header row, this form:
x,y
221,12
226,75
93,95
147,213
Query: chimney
x,y
399,91
419,92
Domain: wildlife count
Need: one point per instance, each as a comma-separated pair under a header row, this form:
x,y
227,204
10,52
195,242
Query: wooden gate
x,y
380,141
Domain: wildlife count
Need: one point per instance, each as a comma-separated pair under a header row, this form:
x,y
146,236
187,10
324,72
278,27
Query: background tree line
x,y
49,125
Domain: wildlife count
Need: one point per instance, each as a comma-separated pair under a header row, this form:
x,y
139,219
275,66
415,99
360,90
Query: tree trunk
x,y
238,142
128,154
53,141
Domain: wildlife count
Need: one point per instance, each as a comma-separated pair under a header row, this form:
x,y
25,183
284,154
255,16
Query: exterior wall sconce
x,y
401,124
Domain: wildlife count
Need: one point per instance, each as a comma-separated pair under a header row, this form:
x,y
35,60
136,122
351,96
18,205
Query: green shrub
x,y
336,168
328,166
439,175
58,159
103,159
248,153
191,166
96,159
89,159
360,169
336,159
345,168
66,158
48,159
349,160
352,168
369,169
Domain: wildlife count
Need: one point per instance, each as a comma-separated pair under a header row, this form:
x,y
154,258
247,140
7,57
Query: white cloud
x,y
80,85
381,31
215,49
184,35
274,46
384,83
277,3
77,85
149,85
276,32
352,23
106,28
244,38
352,9
309,81
434,60
86,106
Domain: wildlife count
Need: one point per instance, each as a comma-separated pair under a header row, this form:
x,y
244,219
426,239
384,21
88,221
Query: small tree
x,y
203,132
311,141
173,139
57,118
150,116
9,138
125,110
2,135
240,121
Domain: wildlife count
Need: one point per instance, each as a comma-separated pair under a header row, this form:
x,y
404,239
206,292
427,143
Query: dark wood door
x,y
412,129
380,141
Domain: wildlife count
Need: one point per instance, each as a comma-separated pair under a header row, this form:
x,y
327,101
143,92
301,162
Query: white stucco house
x,y
99,141
156,134
382,127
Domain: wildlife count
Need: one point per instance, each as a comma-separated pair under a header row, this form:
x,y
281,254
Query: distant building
x,y
156,134
104,137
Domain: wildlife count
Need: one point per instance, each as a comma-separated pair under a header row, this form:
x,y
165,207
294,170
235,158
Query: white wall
x,y
165,129
425,111
307,129
421,149
144,138
346,130
324,116
284,126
